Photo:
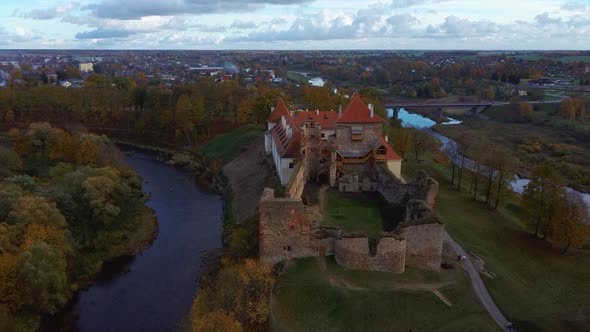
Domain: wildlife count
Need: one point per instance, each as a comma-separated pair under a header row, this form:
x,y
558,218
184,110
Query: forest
x,y
67,204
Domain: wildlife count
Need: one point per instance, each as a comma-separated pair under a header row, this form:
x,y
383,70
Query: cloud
x,y
105,33
244,25
17,35
456,27
126,9
573,6
413,3
50,13
544,19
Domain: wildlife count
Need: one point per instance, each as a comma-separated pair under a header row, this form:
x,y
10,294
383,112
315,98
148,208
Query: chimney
x,y
339,110
272,109
317,111
387,138
283,121
372,109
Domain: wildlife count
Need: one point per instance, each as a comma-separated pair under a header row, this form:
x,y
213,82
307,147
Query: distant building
x,y
86,67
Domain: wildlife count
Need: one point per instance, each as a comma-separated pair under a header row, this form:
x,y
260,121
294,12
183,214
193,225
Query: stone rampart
x,y
394,191
353,253
424,243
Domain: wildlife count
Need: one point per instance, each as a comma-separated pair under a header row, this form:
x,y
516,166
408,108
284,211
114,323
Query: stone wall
x,y
424,244
297,181
395,191
286,232
353,253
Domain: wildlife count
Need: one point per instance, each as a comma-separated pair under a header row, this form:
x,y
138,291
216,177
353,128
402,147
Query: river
x,y
425,124
154,290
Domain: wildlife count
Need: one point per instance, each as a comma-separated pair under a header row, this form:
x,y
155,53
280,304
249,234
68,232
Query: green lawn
x,y
353,214
535,286
228,146
297,77
309,299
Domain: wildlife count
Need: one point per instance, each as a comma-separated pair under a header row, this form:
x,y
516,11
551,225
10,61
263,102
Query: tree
x,y
541,200
572,108
87,153
9,294
35,209
10,162
99,191
64,148
490,93
573,228
41,277
216,321
183,117
524,111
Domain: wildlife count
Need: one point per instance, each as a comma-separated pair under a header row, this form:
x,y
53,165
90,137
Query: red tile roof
x,y
279,111
391,154
358,112
326,119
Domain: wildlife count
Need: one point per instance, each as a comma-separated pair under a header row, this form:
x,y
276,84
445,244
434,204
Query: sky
x,y
295,24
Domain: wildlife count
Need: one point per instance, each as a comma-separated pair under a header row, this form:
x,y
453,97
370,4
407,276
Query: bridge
x,y
473,106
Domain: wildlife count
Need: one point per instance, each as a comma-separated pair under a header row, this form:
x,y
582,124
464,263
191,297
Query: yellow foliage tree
x,y
65,147
9,295
50,234
86,153
217,321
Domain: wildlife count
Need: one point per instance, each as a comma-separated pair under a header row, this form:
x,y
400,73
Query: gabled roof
x,y
326,119
358,112
280,111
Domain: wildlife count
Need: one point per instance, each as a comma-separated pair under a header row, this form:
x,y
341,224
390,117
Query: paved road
x,y
478,286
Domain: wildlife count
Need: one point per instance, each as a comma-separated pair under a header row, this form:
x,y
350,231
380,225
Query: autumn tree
x,y
541,200
216,321
573,227
99,191
10,162
183,118
572,108
41,277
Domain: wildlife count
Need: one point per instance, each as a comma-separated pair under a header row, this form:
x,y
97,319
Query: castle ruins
x,y
346,150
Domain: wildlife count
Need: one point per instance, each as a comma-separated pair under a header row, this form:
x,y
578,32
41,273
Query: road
x,y
478,286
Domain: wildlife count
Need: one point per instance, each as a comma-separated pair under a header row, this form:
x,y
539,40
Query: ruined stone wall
x,y
424,244
286,232
394,191
353,253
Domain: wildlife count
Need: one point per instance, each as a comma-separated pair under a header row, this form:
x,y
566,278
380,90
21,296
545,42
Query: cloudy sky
x,y
295,24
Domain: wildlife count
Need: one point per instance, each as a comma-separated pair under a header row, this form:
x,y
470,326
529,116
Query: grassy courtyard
x,y
534,285
353,212
310,297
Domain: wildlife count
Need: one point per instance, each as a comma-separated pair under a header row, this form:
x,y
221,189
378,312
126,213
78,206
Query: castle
x,y
346,150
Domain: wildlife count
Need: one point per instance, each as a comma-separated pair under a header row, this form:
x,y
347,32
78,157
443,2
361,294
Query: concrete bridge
x,y
473,107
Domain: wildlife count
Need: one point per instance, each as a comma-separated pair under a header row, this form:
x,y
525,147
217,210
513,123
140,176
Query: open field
x,y
297,77
533,284
316,296
228,146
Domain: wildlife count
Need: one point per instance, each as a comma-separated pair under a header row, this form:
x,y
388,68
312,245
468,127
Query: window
x,y
292,227
291,165
323,135
288,248
357,133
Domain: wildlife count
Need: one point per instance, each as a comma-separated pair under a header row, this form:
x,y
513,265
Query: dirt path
x,y
478,286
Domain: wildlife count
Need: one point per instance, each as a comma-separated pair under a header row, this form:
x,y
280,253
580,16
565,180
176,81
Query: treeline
x,y
66,206
177,116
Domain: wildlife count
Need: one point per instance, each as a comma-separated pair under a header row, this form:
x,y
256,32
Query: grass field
x,y
297,77
310,298
229,145
352,214
535,286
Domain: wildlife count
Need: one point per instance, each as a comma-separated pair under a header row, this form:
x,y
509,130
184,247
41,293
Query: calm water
x,y
154,291
425,124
